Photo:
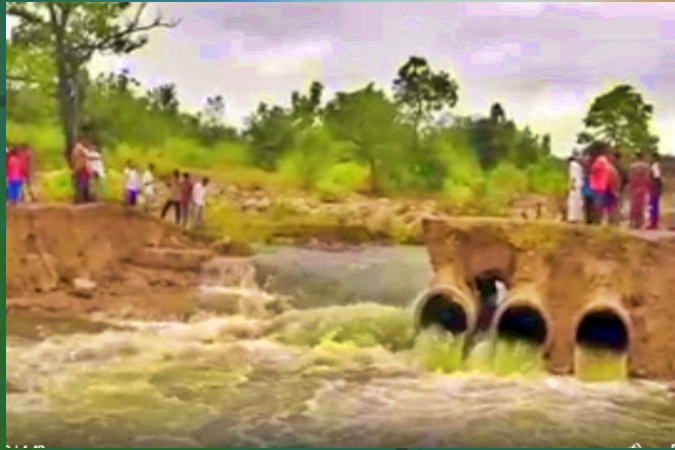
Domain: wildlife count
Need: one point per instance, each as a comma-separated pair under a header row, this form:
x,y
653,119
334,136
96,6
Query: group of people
x,y
19,172
186,196
600,185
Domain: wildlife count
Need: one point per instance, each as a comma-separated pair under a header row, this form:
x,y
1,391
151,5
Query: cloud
x,y
544,61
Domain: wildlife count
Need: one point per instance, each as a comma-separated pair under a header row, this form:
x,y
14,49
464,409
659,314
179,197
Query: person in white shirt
x,y
198,194
148,182
131,183
96,168
575,200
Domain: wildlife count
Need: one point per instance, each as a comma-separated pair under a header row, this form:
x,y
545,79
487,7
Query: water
x,y
330,376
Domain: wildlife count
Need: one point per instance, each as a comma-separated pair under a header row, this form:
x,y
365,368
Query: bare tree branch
x,y
23,13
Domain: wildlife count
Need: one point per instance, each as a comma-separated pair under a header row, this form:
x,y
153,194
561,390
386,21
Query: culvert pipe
x,y
604,325
447,307
523,318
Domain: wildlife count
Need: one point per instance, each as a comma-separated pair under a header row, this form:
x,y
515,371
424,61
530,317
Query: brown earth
x,y
562,270
68,261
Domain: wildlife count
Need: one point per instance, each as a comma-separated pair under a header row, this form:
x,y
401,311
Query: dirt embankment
x,y
75,260
570,273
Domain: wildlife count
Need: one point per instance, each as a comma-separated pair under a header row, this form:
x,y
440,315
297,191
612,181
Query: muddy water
x,y
329,376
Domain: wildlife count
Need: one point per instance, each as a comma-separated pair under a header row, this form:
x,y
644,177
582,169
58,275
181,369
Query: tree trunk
x,y
66,90
375,187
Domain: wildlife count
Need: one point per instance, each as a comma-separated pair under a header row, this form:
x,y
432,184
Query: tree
x,y
497,113
164,98
74,32
367,119
620,118
270,133
306,108
422,92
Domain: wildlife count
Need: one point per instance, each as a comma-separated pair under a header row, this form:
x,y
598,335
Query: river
x,y
341,370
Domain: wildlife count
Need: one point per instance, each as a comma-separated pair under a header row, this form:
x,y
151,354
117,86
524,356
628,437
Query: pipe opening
x,y
523,323
603,330
444,311
491,292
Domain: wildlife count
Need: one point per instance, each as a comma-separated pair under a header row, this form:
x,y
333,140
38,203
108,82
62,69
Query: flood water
x,y
344,369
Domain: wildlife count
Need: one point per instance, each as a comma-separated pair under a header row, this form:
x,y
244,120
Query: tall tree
x,y
367,119
306,108
421,92
270,133
497,113
620,117
75,32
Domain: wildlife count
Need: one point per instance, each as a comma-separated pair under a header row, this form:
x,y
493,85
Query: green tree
x,y
368,120
421,92
269,132
75,32
305,109
620,117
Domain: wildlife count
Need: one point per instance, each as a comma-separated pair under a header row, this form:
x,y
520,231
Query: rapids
x,y
343,369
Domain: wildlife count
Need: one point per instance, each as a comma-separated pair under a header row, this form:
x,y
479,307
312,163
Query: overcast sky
x,y
543,61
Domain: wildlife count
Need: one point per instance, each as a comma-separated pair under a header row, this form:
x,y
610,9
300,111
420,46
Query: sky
x,y
544,62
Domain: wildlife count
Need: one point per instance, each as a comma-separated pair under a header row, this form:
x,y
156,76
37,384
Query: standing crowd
x,y
186,195
600,185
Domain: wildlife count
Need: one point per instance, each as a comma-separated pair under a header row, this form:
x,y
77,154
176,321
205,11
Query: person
x,y
586,191
81,174
655,192
26,156
148,182
97,170
613,193
131,183
14,176
575,202
599,181
174,200
186,199
198,195
638,190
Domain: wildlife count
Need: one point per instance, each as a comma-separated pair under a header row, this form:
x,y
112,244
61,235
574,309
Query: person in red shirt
x,y
599,180
14,176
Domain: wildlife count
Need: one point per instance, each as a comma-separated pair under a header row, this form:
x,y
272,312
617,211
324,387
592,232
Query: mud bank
x,y
588,286
75,260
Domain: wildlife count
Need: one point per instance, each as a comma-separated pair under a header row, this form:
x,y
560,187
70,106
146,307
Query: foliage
x,y
621,118
75,32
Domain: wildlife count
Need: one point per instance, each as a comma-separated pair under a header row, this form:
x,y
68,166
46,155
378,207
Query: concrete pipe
x,y
604,325
448,307
524,318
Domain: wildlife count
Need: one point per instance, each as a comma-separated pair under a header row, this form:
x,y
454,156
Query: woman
x,y
81,174
575,202
613,194
638,190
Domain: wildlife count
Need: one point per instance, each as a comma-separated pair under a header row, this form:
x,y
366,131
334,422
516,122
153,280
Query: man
x,y
599,181
638,189
613,195
131,183
148,182
575,202
14,174
198,194
97,170
80,169
655,192
26,156
174,200
186,199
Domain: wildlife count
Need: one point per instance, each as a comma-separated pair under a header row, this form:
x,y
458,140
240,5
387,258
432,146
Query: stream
x,y
342,369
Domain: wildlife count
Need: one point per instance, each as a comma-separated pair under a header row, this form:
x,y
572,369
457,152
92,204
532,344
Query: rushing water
x,y
344,374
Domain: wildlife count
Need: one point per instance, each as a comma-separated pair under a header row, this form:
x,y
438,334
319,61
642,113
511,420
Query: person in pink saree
x,y
639,182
